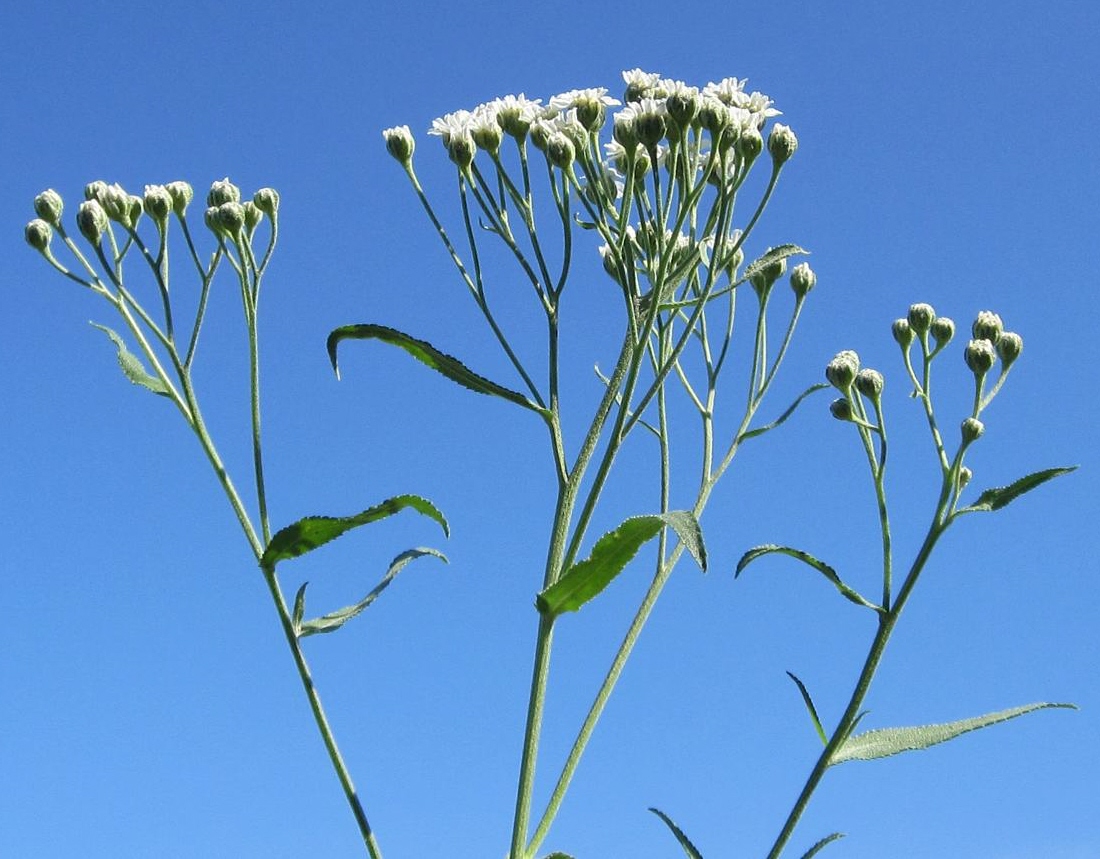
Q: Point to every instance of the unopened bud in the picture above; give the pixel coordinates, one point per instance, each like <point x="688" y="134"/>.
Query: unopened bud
<point x="91" y="220"/>
<point x="400" y="144"/>
<point x="231" y="218"/>
<point x="972" y="430"/>
<point x="560" y="151"/>
<point x="943" y="329"/>
<point x="903" y="332"/>
<point x="181" y="194"/>
<point x="781" y="144"/>
<point x="750" y="144"/>
<point x="803" y="280"/>
<point x="841" y="371"/>
<point x="252" y="217"/>
<point x="921" y="317"/>
<point x="649" y="126"/>
<point x="461" y="150"/>
<point x="841" y="409"/>
<point x="980" y="356"/>
<point x="610" y="262"/>
<point x="158" y="203"/>
<point x="623" y="131"/>
<point x="267" y="201"/>
<point x="116" y="204"/>
<point x="94" y="190"/>
<point x="765" y="278"/>
<point x="965" y="475"/>
<point x="683" y="105"/>
<point x="223" y="191"/>
<point x="48" y="206"/>
<point x="988" y="326"/>
<point x="136" y="209"/>
<point x="1009" y="346"/>
<point x="38" y="234"/>
<point x="870" y="383"/>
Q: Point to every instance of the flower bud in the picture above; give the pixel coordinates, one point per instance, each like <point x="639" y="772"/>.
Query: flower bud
<point x="136" y="209"/>
<point x="181" y="194"/>
<point x="252" y="217"/>
<point x="48" y="206"/>
<point x="781" y="144"/>
<point x="765" y="278"/>
<point x="980" y="356"/>
<point x="400" y="144"/>
<point x="231" y="218"/>
<point x="683" y="105"/>
<point x="540" y="134"/>
<point x="487" y="136"/>
<point x="91" y="220"/>
<point x="610" y="262"/>
<point x="841" y="409"/>
<point x="972" y="430"/>
<point x="1009" y="346"/>
<point x="943" y="329"/>
<point x="903" y="332"/>
<point x="921" y="317"/>
<point x="38" y="234"/>
<point x="223" y="191"/>
<point x="714" y="116"/>
<point x="841" y="371"/>
<point x="988" y="326"/>
<point x="116" y="204"/>
<point x="803" y="280"/>
<point x="94" y="190"/>
<point x="591" y="113"/>
<point x="461" y="149"/>
<point x="623" y="131"/>
<point x="870" y="383"/>
<point x="750" y="144"/>
<point x="649" y="124"/>
<point x="210" y="218"/>
<point x="560" y="151"/>
<point x="965" y="474"/>
<point x="267" y="201"/>
<point x="158" y="203"/>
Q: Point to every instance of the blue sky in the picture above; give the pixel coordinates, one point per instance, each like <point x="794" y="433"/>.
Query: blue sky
<point x="947" y="155"/>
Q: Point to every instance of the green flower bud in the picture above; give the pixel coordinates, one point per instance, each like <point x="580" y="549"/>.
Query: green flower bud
<point x="560" y="151"/>
<point x="841" y="371"/>
<point x="1009" y="346"/>
<point x="91" y="220"/>
<point x="540" y="134"/>
<point x="682" y="105"/>
<point x="803" y="280"/>
<point x="943" y="329"/>
<point x="94" y="190"/>
<point x="750" y="144"/>
<point x="649" y="123"/>
<point x="591" y="113"/>
<point x="965" y="474"/>
<point x="972" y="430"/>
<point x="136" y="209"/>
<point x="487" y="136"/>
<point x="903" y="332"/>
<point x="210" y="218"/>
<point x="610" y="262"/>
<point x="158" y="203"/>
<point x="781" y="144"/>
<point x="623" y="131"/>
<point x="223" y="191"/>
<point x="765" y="278"/>
<point x="116" y="203"/>
<point x="980" y="356"/>
<point x="921" y="317"/>
<point x="38" y="234"/>
<point x="988" y="326"/>
<point x="400" y="144"/>
<point x="461" y="150"/>
<point x="267" y="201"/>
<point x="870" y="383"/>
<point x="48" y="206"/>
<point x="181" y="194"/>
<point x="714" y="117"/>
<point x="231" y="218"/>
<point x="252" y="217"/>
<point x="841" y="409"/>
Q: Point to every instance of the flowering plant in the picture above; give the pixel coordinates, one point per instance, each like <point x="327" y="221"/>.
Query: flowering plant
<point x="651" y="185"/>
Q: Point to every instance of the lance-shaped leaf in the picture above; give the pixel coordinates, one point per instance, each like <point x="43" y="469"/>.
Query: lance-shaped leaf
<point x="770" y="257"/>
<point x="810" y="707"/>
<point x="817" y="848"/>
<point x="612" y="552"/>
<point x="131" y="365"/>
<point x="307" y="534"/>
<point x="753" y="433"/>
<point x="334" y="620"/>
<point x="427" y="354"/>
<point x="883" y="742"/>
<point x="823" y="568"/>
<point x="689" y="848"/>
<point x="1002" y="496"/>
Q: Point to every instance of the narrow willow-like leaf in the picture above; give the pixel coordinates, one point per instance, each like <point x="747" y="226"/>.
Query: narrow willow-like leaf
<point x="883" y="742"/>
<point x="823" y="568"/>
<point x="771" y="256"/>
<point x="131" y="365"/>
<point x="817" y="848"/>
<point x="783" y="417"/>
<point x="810" y="706"/>
<point x="689" y="848"/>
<point x="612" y="552"/>
<point x="299" y="606"/>
<point x="336" y="619"/>
<point x="307" y="534"/>
<point x="1002" y="496"/>
<point x="427" y="354"/>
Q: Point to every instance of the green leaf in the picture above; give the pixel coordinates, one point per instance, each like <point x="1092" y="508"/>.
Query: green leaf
<point x="689" y="848"/>
<point x="299" y="605"/>
<point x="772" y="255"/>
<point x="1002" y="496"/>
<point x="828" y="839"/>
<point x="334" y="620"/>
<point x="823" y="568"/>
<point x="558" y="855"/>
<point x="612" y="552"/>
<point x="810" y="706"/>
<point x="427" y="354"/>
<point x="783" y="417"/>
<point x="131" y="365"/>
<point x="307" y="534"/>
<point x="883" y="742"/>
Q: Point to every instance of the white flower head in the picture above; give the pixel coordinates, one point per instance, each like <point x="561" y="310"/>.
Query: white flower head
<point x="515" y="113"/>
<point x="577" y="97"/>
<point x="451" y="125"/>
<point x="639" y="83"/>
<point x="729" y="91"/>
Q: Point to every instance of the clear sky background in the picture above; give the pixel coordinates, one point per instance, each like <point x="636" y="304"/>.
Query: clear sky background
<point x="147" y="704"/>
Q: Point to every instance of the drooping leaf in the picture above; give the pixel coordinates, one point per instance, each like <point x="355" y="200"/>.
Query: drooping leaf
<point x="307" y="534"/>
<point x="883" y="742"/>
<point x="783" y="417"/>
<point x="810" y="706"/>
<point x="770" y="257"/>
<point x="823" y="568"/>
<point x="1002" y="496"/>
<point x="817" y="848"/>
<point x="336" y="619"/>
<point x="612" y="552"/>
<point x="131" y="365"/>
<point x="427" y="354"/>
<point x="689" y="848"/>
